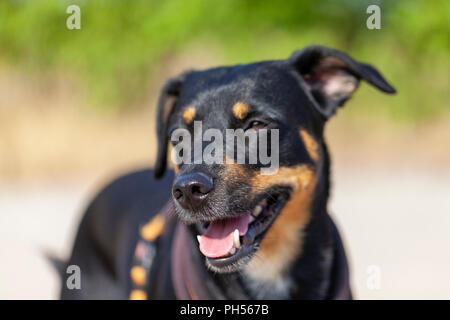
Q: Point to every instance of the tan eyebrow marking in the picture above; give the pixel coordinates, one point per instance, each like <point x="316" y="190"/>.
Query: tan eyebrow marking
<point x="188" y="115"/>
<point x="240" y="110"/>
<point x="311" y="144"/>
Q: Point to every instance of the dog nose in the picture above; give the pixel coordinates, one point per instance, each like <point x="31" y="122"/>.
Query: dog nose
<point x="191" y="190"/>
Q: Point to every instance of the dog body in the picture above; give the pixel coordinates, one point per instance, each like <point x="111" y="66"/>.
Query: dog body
<point x="225" y="230"/>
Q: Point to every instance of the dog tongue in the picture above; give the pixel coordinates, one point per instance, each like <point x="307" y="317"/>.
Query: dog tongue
<point x="218" y="239"/>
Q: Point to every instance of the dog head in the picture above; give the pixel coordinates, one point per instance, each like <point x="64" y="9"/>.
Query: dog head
<point x="245" y="215"/>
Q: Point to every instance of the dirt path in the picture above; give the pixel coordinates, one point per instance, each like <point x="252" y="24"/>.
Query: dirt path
<point x="398" y="222"/>
<point x="395" y="223"/>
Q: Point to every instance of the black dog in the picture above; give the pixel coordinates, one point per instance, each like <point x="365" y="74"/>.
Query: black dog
<point x="261" y="236"/>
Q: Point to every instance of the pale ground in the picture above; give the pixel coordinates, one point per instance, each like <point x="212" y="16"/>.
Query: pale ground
<point x="396" y="220"/>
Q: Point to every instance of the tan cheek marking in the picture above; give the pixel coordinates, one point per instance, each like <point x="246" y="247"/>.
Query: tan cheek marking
<point x="153" y="229"/>
<point x="138" y="275"/>
<point x="285" y="175"/>
<point x="138" y="295"/>
<point x="233" y="172"/>
<point x="283" y="242"/>
<point x="188" y="115"/>
<point x="240" y="110"/>
<point x="311" y="145"/>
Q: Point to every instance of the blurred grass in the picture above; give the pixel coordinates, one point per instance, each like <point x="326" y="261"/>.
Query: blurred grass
<point x="123" y="44"/>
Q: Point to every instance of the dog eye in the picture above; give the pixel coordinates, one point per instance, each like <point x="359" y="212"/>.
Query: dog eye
<point x="255" y="125"/>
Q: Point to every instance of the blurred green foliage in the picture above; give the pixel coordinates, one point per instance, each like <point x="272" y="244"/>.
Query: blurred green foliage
<point x="122" y="43"/>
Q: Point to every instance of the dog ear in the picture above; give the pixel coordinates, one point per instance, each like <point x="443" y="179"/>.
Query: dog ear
<point x="331" y="76"/>
<point x="166" y="103"/>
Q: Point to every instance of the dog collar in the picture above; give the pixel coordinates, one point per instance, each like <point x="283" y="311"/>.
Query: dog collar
<point x="145" y="252"/>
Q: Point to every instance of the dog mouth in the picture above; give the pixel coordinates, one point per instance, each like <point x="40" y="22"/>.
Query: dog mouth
<point x="226" y="242"/>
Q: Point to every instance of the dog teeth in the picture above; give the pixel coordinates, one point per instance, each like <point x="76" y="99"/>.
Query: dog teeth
<point x="233" y="251"/>
<point x="258" y="209"/>
<point x="252" y="218"/>
<point x="237" y="242"/>
<point x="198" y="238"/>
